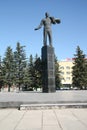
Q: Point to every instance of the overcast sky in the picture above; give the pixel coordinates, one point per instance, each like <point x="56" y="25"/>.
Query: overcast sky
<point x="18" y="18"/>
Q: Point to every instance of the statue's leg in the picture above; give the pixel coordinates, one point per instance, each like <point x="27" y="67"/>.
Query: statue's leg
<point x="45" y="38"/>
<point x="50" y="37"/>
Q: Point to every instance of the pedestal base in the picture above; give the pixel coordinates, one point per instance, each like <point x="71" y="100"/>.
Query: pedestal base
<point x="48" y="61"/>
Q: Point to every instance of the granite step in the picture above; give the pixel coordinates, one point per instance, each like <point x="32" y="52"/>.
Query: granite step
<point x="51" y="106"/>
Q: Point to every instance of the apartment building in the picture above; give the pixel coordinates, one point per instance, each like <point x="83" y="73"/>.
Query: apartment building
<point x="65" y="67"/>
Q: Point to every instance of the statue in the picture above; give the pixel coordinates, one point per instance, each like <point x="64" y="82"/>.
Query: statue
<point x="46" y="22"/>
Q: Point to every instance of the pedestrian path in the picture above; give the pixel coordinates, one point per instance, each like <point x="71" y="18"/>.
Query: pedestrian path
<point x="52" y="119"/>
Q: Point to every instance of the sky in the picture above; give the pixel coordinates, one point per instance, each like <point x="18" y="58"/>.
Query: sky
<point x="18" y="18"/>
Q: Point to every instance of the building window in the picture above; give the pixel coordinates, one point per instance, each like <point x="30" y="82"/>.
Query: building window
<point x="62" y="73"/>
<point x="67" y="67"/>
<point x="62" y="68"/>
<point x="67" y="72"/>
<point x="62" y="78"/>
<point x="67" y="78"/>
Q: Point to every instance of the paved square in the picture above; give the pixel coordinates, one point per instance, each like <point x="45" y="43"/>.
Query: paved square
<point x="53" y="119"/>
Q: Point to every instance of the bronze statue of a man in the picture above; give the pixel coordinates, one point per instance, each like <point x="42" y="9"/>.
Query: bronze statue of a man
<point x="46" y="22"/>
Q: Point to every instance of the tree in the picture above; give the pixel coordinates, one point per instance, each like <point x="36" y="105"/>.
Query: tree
<point x="31" y="72"/>
<point x="38" y="72"/>
<point x="86" y="73"/>
<point x="79" y="74"/>
<point x="26" y="78"/>
<point x="8" y="70"/>
<point x="57" y="74"/>
<point x="20" y="64"/>
<point x="1" y="74"/>
<point x="85" y="76"/>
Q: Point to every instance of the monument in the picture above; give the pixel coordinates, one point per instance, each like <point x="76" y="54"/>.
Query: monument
<point x="48" y="55"/>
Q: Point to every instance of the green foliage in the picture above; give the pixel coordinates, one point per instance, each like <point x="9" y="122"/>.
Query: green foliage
<point x="38" y="72"/>
<point x="57" y="74"/>
<point x="1" y="74"/>
<point x="8" y="72"/>
<point x="34" y="72"/>
<point x="15" y="69"/>
<point x="79" y="73"/>
<point x="19" y="64"/>
<point x="31" y="71"/>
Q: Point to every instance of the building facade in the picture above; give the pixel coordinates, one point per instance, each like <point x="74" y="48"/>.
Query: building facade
<point x="65" y="67"/>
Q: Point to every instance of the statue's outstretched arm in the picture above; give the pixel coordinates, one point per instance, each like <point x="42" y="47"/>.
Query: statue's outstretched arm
<point x="41" y="23"/>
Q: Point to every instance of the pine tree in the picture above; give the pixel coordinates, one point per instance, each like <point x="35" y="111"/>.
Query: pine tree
<point x="38" y="72"/>
<point x="26" y="79"/>
<point x="1" y="74"/>
<point x="8" y="67"/>
<point x="79" y="74"/>
<point x="85" y="82"/>
<point x="20" y="64"/>
<point x="31" y="72"/>
<point x="57" y="74"/>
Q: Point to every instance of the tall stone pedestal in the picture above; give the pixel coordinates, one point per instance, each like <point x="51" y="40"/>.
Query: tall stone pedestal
<point x="48" y="69"/>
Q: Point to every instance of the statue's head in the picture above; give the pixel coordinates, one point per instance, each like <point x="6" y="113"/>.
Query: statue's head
<point x="46" y="14"/>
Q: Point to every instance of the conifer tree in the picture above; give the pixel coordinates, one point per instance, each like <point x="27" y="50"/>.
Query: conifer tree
<point x="31" y="72"/>
<point x="1" y="74"/>
<point x="79" y="74"/>
<point x="20" y="64"/>
<point x="38" y="72"/>
<point x="57" y="74"/>
<point x="26" y="78"/>
<point x="8" y="71"/>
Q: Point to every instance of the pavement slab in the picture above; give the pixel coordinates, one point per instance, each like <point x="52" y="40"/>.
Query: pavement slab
<point x="54" y="119"/>
<point x="57" y="118"/>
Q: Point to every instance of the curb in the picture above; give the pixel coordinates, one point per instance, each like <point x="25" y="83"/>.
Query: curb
<point x="51" y="106"/>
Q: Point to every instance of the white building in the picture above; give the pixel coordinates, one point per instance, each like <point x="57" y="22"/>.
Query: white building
<point x="65" y="67"/>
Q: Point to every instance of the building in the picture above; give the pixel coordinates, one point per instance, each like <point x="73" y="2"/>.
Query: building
<point x="65" y="67"/>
